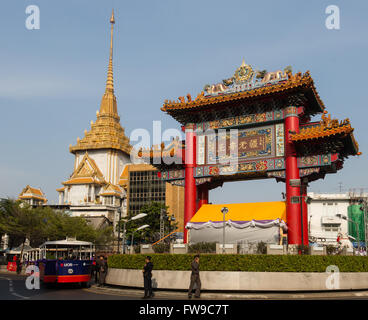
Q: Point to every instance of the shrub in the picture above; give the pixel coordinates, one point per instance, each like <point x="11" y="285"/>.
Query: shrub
<point x="202" y="247"/>
<point x="161" y="247"/>
<point x="239" y="262"/>
<point x="331" y="250"/>
<point x="261" y="247"/>
<point x="303" y="249"/>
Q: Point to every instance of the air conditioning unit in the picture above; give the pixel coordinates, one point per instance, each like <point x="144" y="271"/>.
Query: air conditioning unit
<point x="331" y="220"/>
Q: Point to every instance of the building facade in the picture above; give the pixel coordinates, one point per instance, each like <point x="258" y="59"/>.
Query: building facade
<point x="104" y="182"/>
<point x="323" y="208"/>
<point x="100" y="157"/>
<point x="143" y="186"/>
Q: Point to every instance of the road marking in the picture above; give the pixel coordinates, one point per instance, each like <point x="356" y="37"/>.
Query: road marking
<point x="11" y="289"/>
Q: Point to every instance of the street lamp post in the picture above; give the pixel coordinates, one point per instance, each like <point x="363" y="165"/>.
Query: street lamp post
<point x="224" y="211"/>
<point x="140" y="228"/>
<point x="172" y="219"/>
<point x="138" y="216"/>
<point x="119" y="210"/>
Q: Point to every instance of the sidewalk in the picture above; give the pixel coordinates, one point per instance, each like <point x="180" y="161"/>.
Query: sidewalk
<point x="180" y="295"/>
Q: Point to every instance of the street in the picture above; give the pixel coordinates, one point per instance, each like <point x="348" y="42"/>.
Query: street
<point x="12" y="287"/>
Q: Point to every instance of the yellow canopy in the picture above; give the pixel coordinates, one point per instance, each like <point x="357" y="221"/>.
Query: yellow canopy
<point x="242" y="212"/>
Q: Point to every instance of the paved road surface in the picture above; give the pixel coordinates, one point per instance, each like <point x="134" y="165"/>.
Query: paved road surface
<point x="12" y="287"/>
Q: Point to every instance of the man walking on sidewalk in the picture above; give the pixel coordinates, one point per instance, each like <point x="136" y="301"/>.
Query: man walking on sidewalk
<point x="147" y="278"/>
<point x="195" y="279"/>
<point x="103" y="267"/>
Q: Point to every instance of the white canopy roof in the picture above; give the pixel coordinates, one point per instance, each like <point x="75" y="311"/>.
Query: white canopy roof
<point x="66" y="242"/>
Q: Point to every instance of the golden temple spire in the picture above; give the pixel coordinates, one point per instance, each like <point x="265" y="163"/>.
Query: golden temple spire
<point x="108" y="102"/>
<point x="110" y="75"/>
<point x="106" y="132"/>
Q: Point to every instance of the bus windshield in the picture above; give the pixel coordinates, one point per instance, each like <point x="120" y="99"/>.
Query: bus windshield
<point x="67" y="250"/>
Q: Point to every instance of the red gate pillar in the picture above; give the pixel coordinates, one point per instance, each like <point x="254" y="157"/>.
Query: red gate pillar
<point x="305" y="217"/>
<point x="190" y="192"/>
<point x="202" y="195"/>
<point x="292" y="172"/>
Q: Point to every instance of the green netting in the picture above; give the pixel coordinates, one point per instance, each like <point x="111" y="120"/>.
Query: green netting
<point x="356" y="214"/>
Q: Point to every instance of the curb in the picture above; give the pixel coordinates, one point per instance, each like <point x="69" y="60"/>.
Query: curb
<point x="180" y="295"/>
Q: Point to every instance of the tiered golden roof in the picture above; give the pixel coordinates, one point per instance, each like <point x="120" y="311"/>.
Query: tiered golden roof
<point x="112" y="190"/>
<point x="107" y="132"/>
<point x="32" y="193"/>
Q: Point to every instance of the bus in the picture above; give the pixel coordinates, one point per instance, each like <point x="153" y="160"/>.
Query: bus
<point x="65" y="261"/>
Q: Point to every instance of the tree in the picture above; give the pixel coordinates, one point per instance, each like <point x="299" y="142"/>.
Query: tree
<point x="152" y="233"/>
<point x="40" y="224"/>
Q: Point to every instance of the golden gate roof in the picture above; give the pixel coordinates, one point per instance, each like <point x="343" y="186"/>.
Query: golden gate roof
<point x="331" y="129"/>
<point x="285" y="83"/>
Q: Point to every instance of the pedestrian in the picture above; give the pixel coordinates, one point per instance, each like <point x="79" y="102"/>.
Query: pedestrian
<point x="102" y="271"/>
<point x="195" y="279"/>
<point x="147" y="278"/>
<point x="94" y="269"/>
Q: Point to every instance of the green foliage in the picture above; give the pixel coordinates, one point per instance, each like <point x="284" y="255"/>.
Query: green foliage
<point x="202" y="247"/>
<point x="261" y="247"/>
<point x="238" y="262"/>
<point x="303" y="249"/>
<point x="151" y="234"/>
<point x="39" y="224"/>
<point x="330" y="250"/>
<point x="161" y="247"/>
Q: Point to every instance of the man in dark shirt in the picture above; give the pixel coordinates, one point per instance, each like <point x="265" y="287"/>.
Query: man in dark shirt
<point x="102" y="271"/>
<point x="147" y="278"/>
<point x="195" y="279"/>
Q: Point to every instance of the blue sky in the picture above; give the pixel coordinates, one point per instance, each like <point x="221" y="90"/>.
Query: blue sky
<point x="52" y="79"/>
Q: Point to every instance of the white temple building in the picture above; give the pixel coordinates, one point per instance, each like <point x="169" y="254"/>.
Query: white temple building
<point x="95" y="188"/>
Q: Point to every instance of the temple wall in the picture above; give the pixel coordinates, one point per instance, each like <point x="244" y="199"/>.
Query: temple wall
<point x="77" y="194"/>
<point x="110" y="162"/>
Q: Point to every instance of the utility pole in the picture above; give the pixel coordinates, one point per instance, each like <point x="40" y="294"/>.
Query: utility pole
<point x="340" y="186"/>
<point x="119" y="210"/>
<point x="162" y="224"/>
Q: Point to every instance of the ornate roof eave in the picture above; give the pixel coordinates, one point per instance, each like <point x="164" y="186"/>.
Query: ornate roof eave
<point x="116" y="194"/>
<point x="32" y="193"/>
<point x="75" y="181"/>
<point x="33" y="197"/>
<point x="293" y="83"/>
<point x="328" y="129"/>
<point x="125" y="148"/>
<point x="160" y="155"/>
